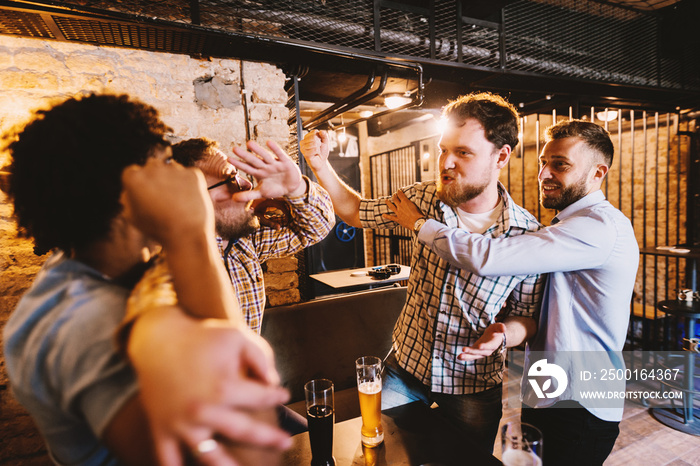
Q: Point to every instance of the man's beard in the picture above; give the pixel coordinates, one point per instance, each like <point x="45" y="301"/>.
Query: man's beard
<point x="567" y="196"/>
<point x="228" y="229"/>
<point x="456" y="193"/>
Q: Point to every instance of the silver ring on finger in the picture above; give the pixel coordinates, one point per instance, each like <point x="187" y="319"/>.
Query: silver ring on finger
<point x="205" y="446"/>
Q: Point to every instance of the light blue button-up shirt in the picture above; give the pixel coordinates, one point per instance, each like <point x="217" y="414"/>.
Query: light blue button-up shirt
<point x="591" y="256"/>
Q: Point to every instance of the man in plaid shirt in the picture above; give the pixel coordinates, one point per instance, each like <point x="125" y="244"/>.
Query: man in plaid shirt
<point x="243" y="242"/>
<point x="448" y="308"/>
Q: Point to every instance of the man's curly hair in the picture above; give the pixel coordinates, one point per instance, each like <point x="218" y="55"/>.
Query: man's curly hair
<point x="66" y="165"/>
<point x="498" y="116"/>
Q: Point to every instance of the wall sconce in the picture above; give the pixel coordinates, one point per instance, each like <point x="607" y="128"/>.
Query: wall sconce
<point x="607" y="115"/>
<point x="393" y="101"/>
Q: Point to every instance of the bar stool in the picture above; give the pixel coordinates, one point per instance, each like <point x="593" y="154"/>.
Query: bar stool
<point x="688" y="421"/>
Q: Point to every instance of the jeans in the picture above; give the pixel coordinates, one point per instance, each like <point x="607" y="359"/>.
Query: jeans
<point x="571" y="435"/>
<point x="476" y="415"/>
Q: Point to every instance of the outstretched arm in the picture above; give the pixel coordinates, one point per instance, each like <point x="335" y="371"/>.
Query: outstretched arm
<point x="346" y="201"/>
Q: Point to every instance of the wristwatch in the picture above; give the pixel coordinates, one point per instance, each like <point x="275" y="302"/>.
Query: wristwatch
<point x="419" y="224"/>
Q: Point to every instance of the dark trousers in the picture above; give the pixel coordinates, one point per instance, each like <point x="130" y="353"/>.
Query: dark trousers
<point x="572" y="436"/>
<point x="477" y="415"/>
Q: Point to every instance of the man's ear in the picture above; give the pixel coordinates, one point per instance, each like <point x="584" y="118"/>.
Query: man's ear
<point x="503" y="156"/>
<point x="600" y="170"/>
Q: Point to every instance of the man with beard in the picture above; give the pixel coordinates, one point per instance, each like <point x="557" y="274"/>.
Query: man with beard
<point x="591" y="254"/>
<point x="448" y="308"/>
<point x="243" y="243"/>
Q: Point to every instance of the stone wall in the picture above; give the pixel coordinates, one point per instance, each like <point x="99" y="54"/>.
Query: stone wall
<point x="196" y="97"/>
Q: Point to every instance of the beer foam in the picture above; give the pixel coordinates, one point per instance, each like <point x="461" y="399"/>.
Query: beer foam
<point x="513" y="457"/>
<point x="370" y="388"/>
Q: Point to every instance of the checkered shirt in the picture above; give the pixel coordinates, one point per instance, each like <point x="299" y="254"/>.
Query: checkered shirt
<point x="312" y="220"/>
<point x="448" y="308"/>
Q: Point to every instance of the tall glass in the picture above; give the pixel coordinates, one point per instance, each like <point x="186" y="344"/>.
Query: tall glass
<point x="521" y="444"/>
<point x="369" y="387"/>
<point x="320" y="414"/>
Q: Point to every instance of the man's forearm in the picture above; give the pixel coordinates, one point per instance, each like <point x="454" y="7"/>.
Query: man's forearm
<point x="199" y="279"/>
<point x="519" y="330"/>
<point x="346" y="201"/>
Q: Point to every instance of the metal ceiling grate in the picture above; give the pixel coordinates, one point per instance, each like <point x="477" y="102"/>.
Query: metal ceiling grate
<point x="582" y="40"/>
<point x="480" y="41"/>
<point x="586" y="40"/>
<point x="129" y="35"/>
<point x="24" y="24"/>
<point x="347" y="23"/>
<point x="405" y="32"/>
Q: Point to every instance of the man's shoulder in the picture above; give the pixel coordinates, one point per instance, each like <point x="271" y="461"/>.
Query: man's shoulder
<point x="421" y="188"/>
<point x="610" y="217"/>
<point x="67" y="314"/>
<point x="521" y="218"/>
<point x="602" y="210"/>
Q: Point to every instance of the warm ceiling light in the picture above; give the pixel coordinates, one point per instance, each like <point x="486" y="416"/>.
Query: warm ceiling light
<point x="393" y="101"/>
<point x="342" y="137"/>
<point x="607" y="115"/>
<point x="366" y="113"/>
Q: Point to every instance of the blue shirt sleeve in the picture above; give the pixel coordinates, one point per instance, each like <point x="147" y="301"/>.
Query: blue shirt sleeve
<point x="575" y="243"/>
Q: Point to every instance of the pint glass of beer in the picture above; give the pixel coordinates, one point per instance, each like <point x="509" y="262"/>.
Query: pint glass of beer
<point x="320" y="413"/>
<point x="521" y="444"/>
<point x="369" y="387"/>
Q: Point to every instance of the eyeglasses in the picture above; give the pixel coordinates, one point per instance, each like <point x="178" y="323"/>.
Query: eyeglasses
<point x="232" y="180"/>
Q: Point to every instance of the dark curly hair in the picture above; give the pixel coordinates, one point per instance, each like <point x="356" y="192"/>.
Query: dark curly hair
<point x="66" y="165"/>
<point x="191" y="151"/>
<point x="498" y="117"/>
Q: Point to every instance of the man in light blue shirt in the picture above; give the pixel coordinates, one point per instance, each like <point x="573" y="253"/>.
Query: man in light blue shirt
<point x="591" y="255"/>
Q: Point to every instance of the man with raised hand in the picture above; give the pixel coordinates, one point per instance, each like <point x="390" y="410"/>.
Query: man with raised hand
<point x="244" y="244"/>
<point x="448" y="308"/>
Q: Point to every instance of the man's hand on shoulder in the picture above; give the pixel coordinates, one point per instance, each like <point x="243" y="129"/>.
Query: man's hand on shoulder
<point x="405" y="212"/>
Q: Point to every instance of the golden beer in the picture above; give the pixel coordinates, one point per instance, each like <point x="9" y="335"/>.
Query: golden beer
<point x="371" y="409"/>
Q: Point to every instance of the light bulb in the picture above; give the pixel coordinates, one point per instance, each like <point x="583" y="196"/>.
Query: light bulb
<point x="607" y="115"/>
<point x="393" y="101"/>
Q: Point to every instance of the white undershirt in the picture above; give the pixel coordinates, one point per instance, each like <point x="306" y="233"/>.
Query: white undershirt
<point x="479" y="223"/>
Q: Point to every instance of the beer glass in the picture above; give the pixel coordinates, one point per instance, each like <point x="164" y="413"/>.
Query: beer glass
<point x="521" y="444"/>
<point x="320" y="414"/>
<point x="369" y="387"/>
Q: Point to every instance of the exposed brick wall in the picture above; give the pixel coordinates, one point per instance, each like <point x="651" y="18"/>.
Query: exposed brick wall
<point x="196" y="97"/>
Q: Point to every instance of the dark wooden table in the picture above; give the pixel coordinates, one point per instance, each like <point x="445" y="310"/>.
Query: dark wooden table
<point x="414" y="435"/>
